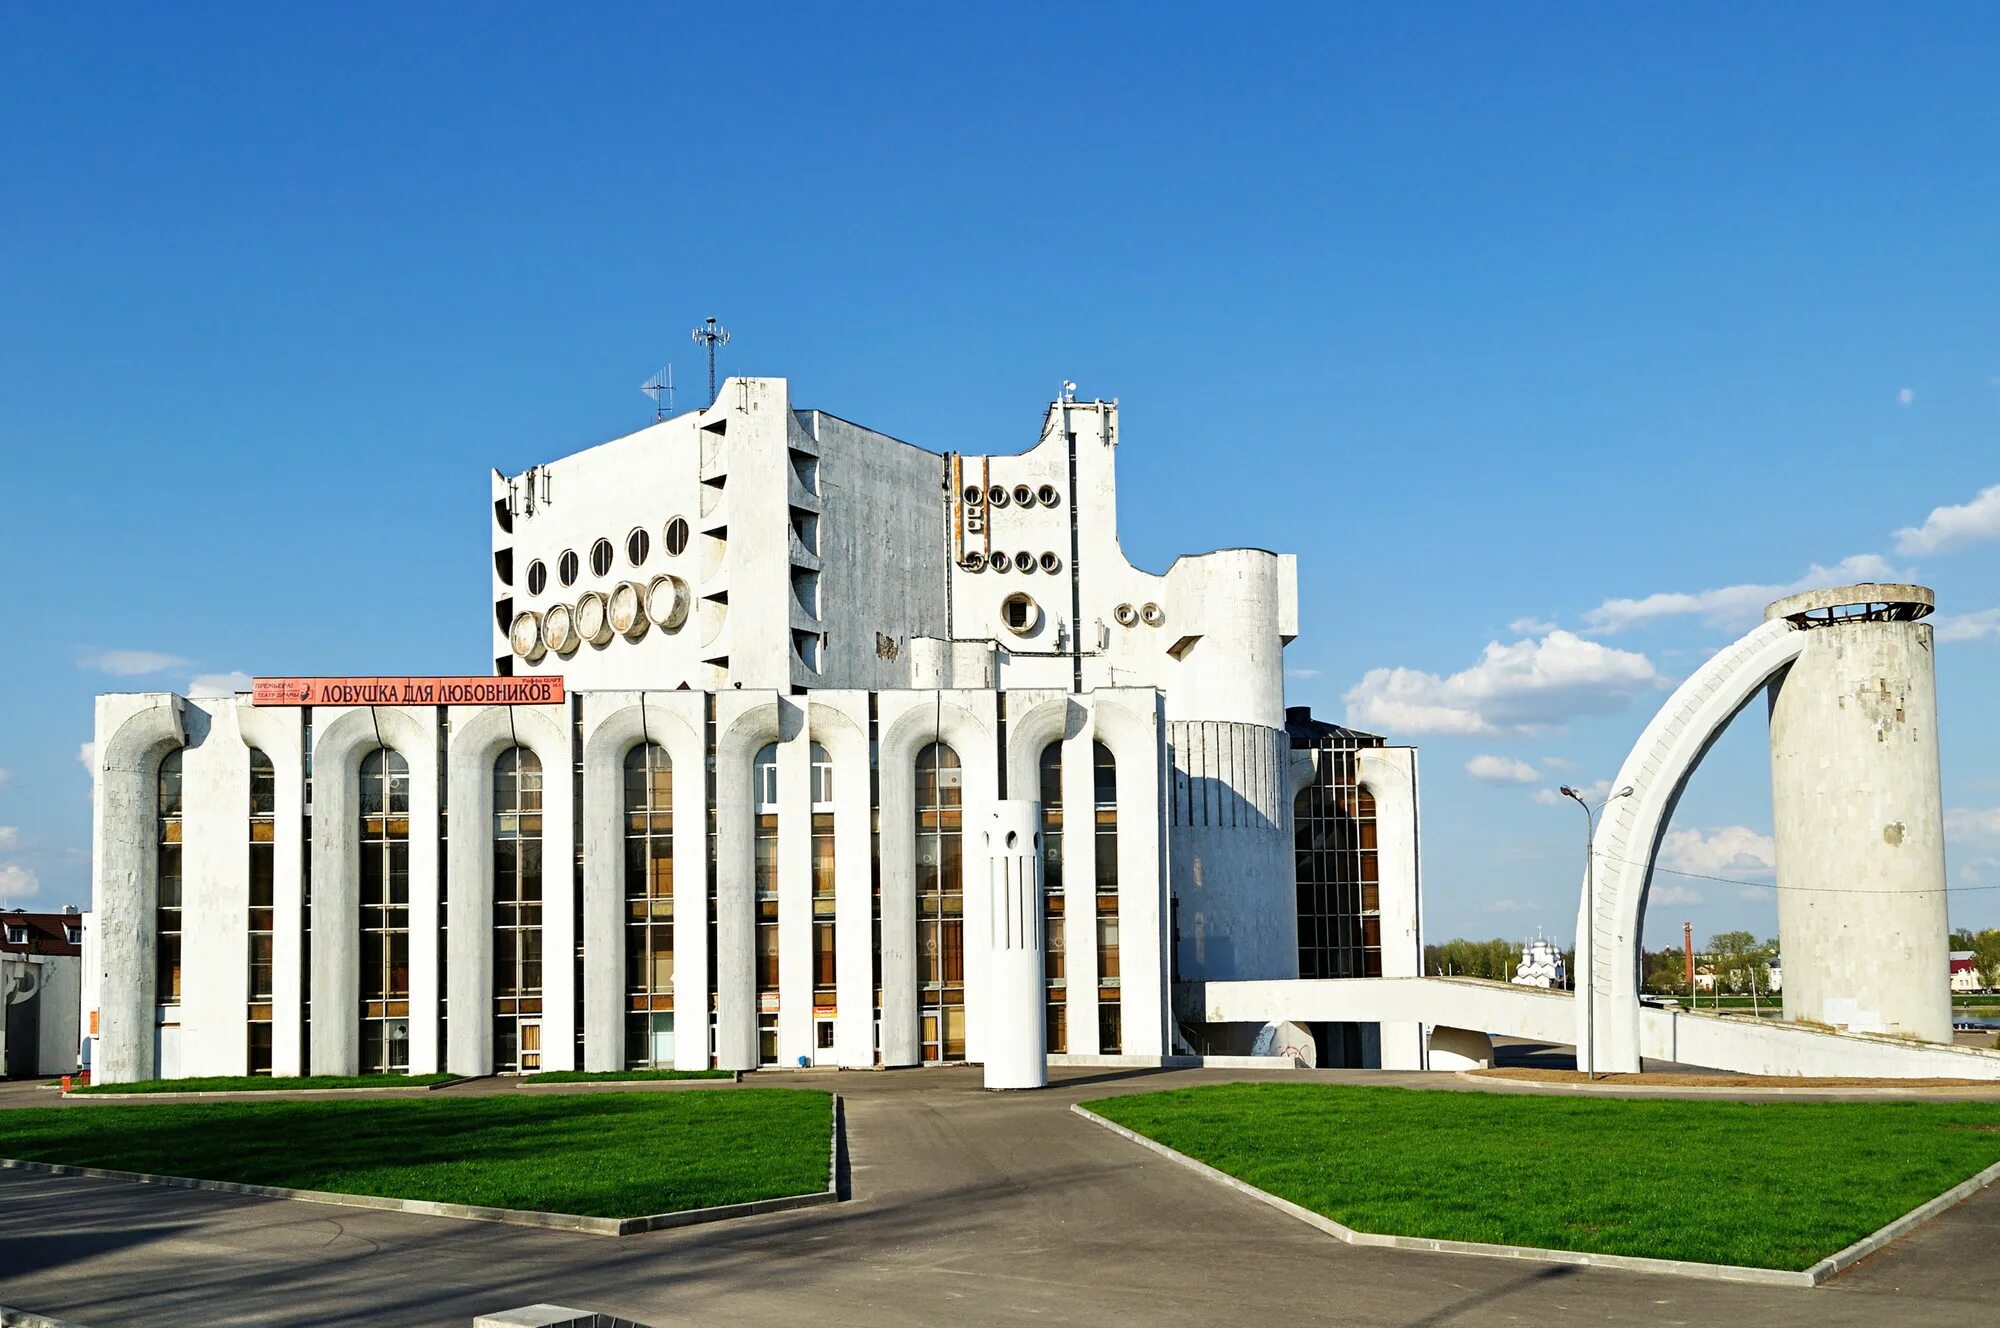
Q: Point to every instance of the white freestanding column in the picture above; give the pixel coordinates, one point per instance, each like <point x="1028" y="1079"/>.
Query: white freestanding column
<point x="1858" y="817"/>
<point x="1016" y="1038"/>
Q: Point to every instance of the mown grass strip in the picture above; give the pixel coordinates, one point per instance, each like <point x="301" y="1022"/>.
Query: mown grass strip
<point x="265" y="1083"/>
<point x="1755" y="1184"/>
<point x="622" y="1076"/>
<point x="598" y="1154"/>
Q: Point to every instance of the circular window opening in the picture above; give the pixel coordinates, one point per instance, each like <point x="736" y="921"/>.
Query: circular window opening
<point x="600" y="558"/>
<point x="1001" y="562"/>
<point x="1047" y="495"/>
<point x="1051" y="563"/>
<point x="972" y="495"/>
<point x="677" y="537"/>
<point x="1019" y="614"/>
<point x="538" y="577"/>
<point x="1152" y="616"/>
<point x="566" y="567"/>
<point x="1126" y="615"/>
<point x="1024" y="562"/>
<point x="637" y="545"/>
<point x="974" y="562"/>
<point x="996" y="496"/>
<point x="1024" y="495"/>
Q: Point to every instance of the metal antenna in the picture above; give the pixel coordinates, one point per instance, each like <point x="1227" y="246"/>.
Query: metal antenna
<point x="711" y="335"/>
<point x="661" y="390"/>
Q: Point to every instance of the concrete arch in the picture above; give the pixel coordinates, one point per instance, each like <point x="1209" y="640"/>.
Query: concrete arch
<point x="1029" y="733"/>
<point x="839" y="723"/>
<point x="757" y="719"/>
<point x="476" y="744"/>
<point x="278" y="732"/>
<point x="1628" y="839"/>
<point x="945" y="720"/>
<point x="674" y="721"/>
<point x="338" y="749"/>
<point x="127" y="886"/>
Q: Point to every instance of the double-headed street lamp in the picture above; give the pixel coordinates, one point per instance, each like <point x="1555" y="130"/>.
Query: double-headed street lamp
<point x="1587" y="953"/>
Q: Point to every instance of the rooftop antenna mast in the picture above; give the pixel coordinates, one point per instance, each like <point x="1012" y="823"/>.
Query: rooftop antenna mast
<point x="711" y="334"/>
<point x="661" y="390"/>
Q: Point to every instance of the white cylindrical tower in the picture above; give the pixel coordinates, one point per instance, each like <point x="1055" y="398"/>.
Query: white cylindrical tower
<point x="1858" y="816"/>
<point x="1016" y="1039"/>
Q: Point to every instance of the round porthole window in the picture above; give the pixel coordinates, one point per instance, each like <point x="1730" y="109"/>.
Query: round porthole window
<point x="1126" y="615"/>
<point x="637" y="545"/>
<point x="600" y="558"/>
<point x="677" y="537"/>
<point x="1047" y="495"/>
<point x="1152" y="615"/>
<point x="973" y="493"/>
<point x="1024" y="562"/>
<point x="1001" y="562"/>
<point x="1019" y="614"/>
<point x="1051" y="563"/>
<point x="996" y="496"/>
<point x="566" y="567"/>
<point x="538" y="577"/>
<point x="1024" y="495"/>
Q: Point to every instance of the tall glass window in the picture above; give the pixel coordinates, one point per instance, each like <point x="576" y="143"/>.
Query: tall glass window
<point x="1338" y="879"/>
<point x="1052" y="886"/>
<point x="941" y="903"/>
<point x="517" y="911"/>
<point x="649" y="908"/>
<point x="385" y="912"/>
<point x="822" y="882"/>
<point x="167" y="910"/>
<point x="1104" y="782"/>
<point x="263" y="892"/>
<point x="765" y="781"/>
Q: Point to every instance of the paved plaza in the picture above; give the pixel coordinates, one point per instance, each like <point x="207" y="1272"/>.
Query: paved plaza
<point x="967" y="1207"/>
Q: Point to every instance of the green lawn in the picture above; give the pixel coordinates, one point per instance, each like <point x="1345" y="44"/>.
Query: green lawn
<point x="621" y="1076"/>
<point x="265" y="1083"/>
<point x="597" y="1154"/>
<point x="1775" y="1185"/>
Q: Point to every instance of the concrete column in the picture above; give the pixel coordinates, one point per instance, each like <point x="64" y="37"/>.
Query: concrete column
<point x="1079" y="847"/>
<point x="839" y="722"/>
<point x="1858" y="817"/>
<point x="215" y="897"/>
<point x="133" y="733"/>
<point x="795" y="1004"/>
<point x="1015" y="1041"/>
<point x="278" y="732"/>
<point x="744" y="721"/>
<point x="1390" y="775"/>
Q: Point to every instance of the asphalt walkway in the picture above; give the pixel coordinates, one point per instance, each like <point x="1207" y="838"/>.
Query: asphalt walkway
<point x="967" y="1207"/>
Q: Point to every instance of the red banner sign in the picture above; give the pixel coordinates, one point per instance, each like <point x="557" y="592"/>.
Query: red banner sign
<point x="405" y="691"/>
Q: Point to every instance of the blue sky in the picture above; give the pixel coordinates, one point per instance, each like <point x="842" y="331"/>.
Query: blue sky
<point x="1497" y="316"/>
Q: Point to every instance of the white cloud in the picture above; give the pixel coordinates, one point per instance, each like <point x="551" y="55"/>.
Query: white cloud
<point x="1973" y="822"/>
<point x="86" y="752"/>
<point x="1558" y="763"/>
<point x="1980" y="871"/>
<point x="1301" y="674"/>
<point x="1730" y="850"/>
<point x="1954" y="527"/>
<point x="218" y="684"/>
<point x="1502" y="770"/>
<point x="1968" y="626"/>
<point x="17" y="884"/>
<point x="1593" y="793"/>
<point x="1734" y="606"/>
<point x="1514" y="689"/>
<point x="1675" y="894"/>
<point x="130" y="663"/>
<point x="1531" y="627"/>
<point x="10" y="835"/>
<point x="1510" y="906"/>
<point x="1906" y="396"/>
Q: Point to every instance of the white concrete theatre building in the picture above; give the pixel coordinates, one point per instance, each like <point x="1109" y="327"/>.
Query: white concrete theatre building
<point x="759" y="671"/>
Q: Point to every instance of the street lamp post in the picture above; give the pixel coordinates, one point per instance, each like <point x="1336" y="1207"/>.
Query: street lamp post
<point x="1587" y="953"/>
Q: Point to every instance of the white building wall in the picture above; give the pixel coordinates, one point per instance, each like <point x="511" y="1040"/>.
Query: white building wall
<point x="215" y="891"/>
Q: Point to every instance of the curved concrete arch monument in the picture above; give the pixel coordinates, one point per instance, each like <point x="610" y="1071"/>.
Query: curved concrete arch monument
<point x="1854" y="734"/>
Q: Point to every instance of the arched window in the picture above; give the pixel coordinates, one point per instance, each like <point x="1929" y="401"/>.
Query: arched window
<point x="941" y="902"/>
<point x="764" y="781"/>
<point x="385" y="912"/>
<point x="1104" y="783"/>
<point x="649" y="909"/>
<point x="263" y="892"/>
<point x="167" y="909"/>
<point x="517" y="911"/>
<point x="822" y="897"/>
<point x="1052" y="887"/>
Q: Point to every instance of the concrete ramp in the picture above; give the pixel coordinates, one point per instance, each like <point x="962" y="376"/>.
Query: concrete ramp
<point x="1741" y="1045"/>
